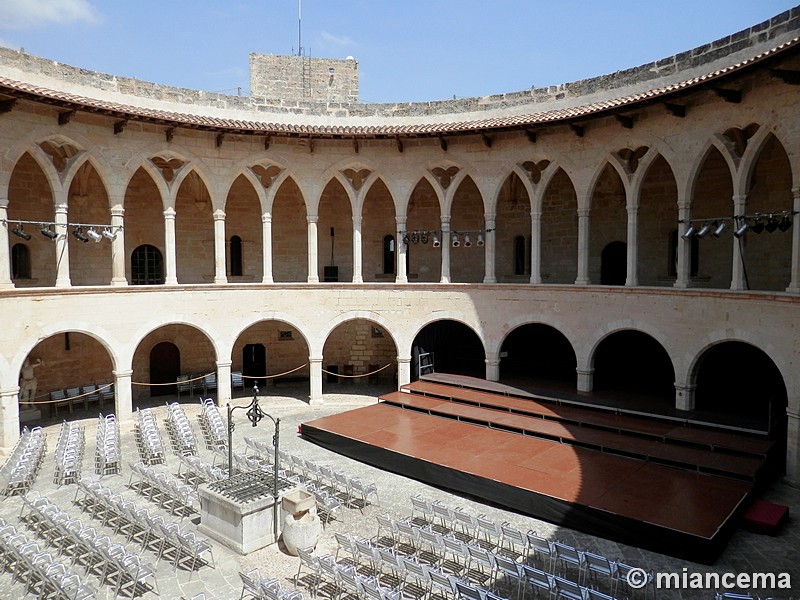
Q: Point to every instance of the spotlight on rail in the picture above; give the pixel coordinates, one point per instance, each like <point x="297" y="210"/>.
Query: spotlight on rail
<point x="48" y="233"/>
<point x="19" y="232"/>
<point x="93" y="235"/>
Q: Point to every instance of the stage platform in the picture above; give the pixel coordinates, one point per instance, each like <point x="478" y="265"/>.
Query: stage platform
<point x="645" y="488"/>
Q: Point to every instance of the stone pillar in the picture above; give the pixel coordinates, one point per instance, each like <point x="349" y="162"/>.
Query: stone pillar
<point x="536" y="246"/>
<point x="403" y="371"/>
<point x="313" y="268"/>
<point x="794" y="283"/>
<point x="315" y="367"/>
<point x="9" y="419"/>
<point x="358" y="276"/>
<point x="585" y="380"/>
<point x="632" y="276"/>
<point x="223" y="382"/>
<point x="738" y="281"/>
<point x="489" y="272"/>
<point x="5" y="248"/>
<point x="446" y="242"/>
<point x="62" y="247"/>
<point x="684" y="263"/>
<point x="266" y="241"/>
<point x="170" y="259"/>
<point x="583" y="247"/>
<point x="793" y="446"/>
<point x="400" y="255"/>
<point x="118" y="247"/>
<point x="685" y="397"/>
<point x="220" y="275"/>
<point x="123" y="404"/>
<point x="493" y="369"/>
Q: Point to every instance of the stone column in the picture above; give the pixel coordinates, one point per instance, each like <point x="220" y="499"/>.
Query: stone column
<point x="123" y="403"/>
<point x="536" y="246"/>
<point x="794" y="283"/>
<point x="266" y="242"/>
<point x="170" y="250"/>
<point x="223" y="382"/>
<point x="446" y="241"/>
<point x="738" y="281"/>
<point x="684" y="250"/>
<point x="400" y="254"/>
<point x="632" y="276"/>
<point x="358" y="276"/>
<point x="793" y="446"/>
<point x="583" y="247"/>
<point x="313" y="266"/>
<point x="5" y="248"/>
<point x="685" y="397"/>
<point x="118" y="247"/>
<point x="9" y="419"/>
<point x="403" y="371"/>
<point x="315" y="367"/>
<point x="489" y="272"/>
<point x="492" y="369"/>
<point x="585" y="380"/>
<point x="220" y="271"/>
<point x="62" y="247"/>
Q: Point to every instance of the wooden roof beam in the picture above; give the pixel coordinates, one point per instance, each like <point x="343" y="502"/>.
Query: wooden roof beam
<point x="676" y="110"/>
<point x="731" y="96"/>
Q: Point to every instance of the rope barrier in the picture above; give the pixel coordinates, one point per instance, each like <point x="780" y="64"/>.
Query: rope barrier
<point x="274" y="376"/>
<point x="198" y="378"/>
<point x="97" y="391"/>
<point x="357" y="376"/>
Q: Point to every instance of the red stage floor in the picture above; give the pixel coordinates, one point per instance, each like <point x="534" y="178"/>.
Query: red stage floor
<point x="587" y="486"/>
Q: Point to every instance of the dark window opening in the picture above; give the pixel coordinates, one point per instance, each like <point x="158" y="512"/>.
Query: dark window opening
<point x="236" y="256"/>
<point x="388" y="255"/>
<point x="147" y="266"/>
<point x="519" y="255"/>
<point x="20" y="262"/>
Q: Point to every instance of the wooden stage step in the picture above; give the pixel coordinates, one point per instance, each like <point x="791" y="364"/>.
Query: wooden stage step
<point x="650" y="449"/>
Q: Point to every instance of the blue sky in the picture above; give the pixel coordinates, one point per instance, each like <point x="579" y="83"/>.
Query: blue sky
<point x="408" y="50"/>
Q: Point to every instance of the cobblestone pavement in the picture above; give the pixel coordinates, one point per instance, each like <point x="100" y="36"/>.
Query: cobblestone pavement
<point x="746" y="552"/>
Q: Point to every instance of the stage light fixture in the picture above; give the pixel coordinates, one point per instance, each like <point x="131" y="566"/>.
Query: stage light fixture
<point x="78" y="233"/>
<point x="406" y="239"/>
<point x="467" y="241"/>
<point x="436" y="242"/>
<point x="456" y="241"/>
<point x="688" y="233"/>
<point x="94" y="235"/>
<point x="758" y="227"/>
<point x="703" y="231"/>
<point x="19" y="232"/>
<point x="415" y="238"/>
<point x="772" y="224"/>
<point x="109" y="235"/>
<point x="785" y="223"/>
<point x="48" y="233"/>
<point x="741" y="229"/>
<point x="479" y="241"/>
<point x="424" y="237"/>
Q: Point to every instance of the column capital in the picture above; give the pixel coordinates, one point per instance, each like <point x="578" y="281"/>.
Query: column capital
<point x="312" y="218"/>
<point x="584" y="213"/>
<point x="224" y="363"/>
<point x="169" y="213"/>
<point x="403" y="359"/>
<point x="123" y="373"/>
<point x="3" y="203"/>
<point x="219" y="215"/>
<point x="266" y="218"/>
<point x="117" y="211"/>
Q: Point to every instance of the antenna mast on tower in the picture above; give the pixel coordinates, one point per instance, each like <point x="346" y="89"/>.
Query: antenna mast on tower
<point x="299" y="27"/>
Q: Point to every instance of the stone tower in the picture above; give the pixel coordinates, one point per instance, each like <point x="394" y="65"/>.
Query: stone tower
<point x="304" y="78"/>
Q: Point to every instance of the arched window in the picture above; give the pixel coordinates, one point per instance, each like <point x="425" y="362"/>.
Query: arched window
<point x="388" y="254"/>
<point x="236" y="256"/>
<point x="519" y="255"/>
<point x="20" y="262"/>
<point x="147" y="266"/>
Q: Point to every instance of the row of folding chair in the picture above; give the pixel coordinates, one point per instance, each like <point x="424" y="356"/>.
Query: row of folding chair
<point x="43" y="576"/>
<point x="148" y="438"/>
<point x="215" y="433"/>
<point x="108" y="452"/>
<point x="192" y="384"/>
<point x="69" y="453"/>
<point x="165" y="538"/>
<point x="82" y="394"/>
<point x="20" y="469"/>
<point x="354" y="491"/>
<point x="98" y="553"/>
<point x="256" y="587"/>
<point x="181" y="434"/>
<point x="197" y="471"/>
<point x="342" y="578"/>
<point x="169" y="492"/>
